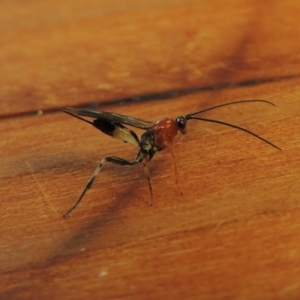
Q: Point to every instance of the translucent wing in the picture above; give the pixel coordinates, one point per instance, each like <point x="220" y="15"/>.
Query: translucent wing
<point x="109" y="117"/>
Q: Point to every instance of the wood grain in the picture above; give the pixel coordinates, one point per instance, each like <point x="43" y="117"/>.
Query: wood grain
<point x="233" y="234"/>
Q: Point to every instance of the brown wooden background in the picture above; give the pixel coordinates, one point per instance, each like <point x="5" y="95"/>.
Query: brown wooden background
<point x="233" y="234"/>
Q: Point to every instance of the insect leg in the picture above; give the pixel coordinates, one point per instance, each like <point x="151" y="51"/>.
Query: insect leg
<point x="112" y="159"/>
<point x="147" y="173"/>
<point x="175" y="169"/>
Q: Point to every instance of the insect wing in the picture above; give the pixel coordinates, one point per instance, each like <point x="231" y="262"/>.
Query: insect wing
<point x="110" y="117"/>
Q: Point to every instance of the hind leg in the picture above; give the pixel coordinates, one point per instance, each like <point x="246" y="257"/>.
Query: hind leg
<point x="112" y="159"/>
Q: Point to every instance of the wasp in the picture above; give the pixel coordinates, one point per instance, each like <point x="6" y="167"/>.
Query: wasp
<point x="157" y="136"/>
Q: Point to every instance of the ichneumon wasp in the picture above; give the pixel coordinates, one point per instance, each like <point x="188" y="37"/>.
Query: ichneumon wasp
<point x="157" y="136"/>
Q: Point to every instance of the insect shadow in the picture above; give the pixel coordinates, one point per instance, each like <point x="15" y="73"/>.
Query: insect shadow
<point x="157" y="136"/>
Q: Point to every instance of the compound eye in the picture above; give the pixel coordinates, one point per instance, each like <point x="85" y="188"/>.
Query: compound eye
<point x="181" y="122"/>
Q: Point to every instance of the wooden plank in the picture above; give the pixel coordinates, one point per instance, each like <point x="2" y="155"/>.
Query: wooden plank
<point x="233" y="234"/>
<point x="64" y="53"/>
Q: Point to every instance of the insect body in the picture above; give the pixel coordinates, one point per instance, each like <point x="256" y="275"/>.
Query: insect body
<point x="157" y="136"/>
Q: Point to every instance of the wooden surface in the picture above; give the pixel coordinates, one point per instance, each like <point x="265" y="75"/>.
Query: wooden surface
<point x="233" y="234"/>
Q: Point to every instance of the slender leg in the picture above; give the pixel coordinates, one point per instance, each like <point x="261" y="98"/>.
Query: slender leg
<point x="175" y="167"/>
<point x="147" y="173"/>
<point x="112" y="159"/>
